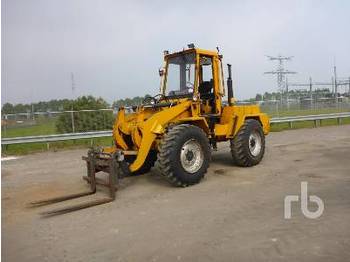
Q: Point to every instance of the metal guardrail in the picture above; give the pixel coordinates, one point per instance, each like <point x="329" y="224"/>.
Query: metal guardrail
<point x="309" y="117"/>
<point x="54" y="138"/>
<point x="95" y="134"/>
<point x="316" y="118"/>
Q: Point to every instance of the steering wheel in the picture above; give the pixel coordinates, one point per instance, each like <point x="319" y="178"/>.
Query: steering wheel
<point x="153" y="99"/>
<point x="189" y="84"/>
<point x="160" y="97"/>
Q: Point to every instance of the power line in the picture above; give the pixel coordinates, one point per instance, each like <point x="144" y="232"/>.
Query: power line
<point x="281" y="72"/>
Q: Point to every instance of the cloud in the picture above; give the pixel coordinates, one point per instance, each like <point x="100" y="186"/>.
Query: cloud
<point x="115" y="48"/>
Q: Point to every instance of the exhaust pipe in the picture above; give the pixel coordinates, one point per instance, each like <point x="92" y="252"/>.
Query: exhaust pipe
<point x="229" y="86"/>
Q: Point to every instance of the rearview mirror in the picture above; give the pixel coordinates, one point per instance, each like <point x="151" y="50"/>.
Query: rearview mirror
<point x="161" y="72"/>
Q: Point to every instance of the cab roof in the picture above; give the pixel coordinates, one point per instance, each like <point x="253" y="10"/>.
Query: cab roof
<point x="191" y="50"/>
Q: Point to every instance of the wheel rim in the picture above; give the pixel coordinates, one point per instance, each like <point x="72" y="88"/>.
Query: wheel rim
<point x="255" y="143"/>
<point x="191" y="156"/>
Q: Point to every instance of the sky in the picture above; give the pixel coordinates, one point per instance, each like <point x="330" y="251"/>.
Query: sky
<point x="115" y="48"/>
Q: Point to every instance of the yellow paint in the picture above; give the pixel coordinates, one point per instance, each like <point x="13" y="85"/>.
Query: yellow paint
<point x="141" y="131"/>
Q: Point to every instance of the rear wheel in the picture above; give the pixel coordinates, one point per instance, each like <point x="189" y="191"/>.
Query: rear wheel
<point x="248" y="146"/>
<point x="184" y="155"/>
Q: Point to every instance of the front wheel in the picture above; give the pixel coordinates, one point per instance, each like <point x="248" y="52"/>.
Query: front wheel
<point x="146" y="167"/>
<point x="184" y="155"/>
<point x="248" y="146"/>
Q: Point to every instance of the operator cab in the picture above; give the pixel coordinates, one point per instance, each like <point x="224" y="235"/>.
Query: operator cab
<point x="195" y="74"/>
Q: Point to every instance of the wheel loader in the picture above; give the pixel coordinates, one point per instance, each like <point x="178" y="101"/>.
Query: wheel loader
<point x="179" y="128"/>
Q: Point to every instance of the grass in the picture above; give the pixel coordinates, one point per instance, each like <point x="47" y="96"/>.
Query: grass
<point x="48" y="127"/>
<point x="42" y="128"/>
<point x="45" y="127"/>
<point x="23" y="149"/>
<point x="307" y="124"/>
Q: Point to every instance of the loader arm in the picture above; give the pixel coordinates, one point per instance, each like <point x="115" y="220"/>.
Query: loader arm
<point x="154" y="126"/>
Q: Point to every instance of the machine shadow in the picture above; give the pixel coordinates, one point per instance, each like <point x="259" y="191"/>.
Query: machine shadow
<point x="223" y="158"/>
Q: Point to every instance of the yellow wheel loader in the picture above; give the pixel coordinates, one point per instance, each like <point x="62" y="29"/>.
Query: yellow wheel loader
<point x="179" y="127"/>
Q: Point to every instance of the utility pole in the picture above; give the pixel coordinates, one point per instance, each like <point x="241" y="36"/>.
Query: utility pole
<point x="287" y="96"/>
<point x="310" y="92"/>
<point x="335" y="83"/>
<point x="33" y="115"/>
<point x="281" y="73"/>
<point x="72" y="108"/>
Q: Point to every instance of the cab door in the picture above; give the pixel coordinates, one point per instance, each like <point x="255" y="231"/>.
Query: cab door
<point x="208" y="86"/>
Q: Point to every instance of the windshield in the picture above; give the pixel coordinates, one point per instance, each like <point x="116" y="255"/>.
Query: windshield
<point x="181" y="74"/>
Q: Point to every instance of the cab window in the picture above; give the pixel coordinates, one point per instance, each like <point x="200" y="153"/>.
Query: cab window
<point x="181" y="75"/>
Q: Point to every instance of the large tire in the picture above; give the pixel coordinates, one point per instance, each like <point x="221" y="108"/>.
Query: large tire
<point x="146" y="167"/>
<point x="248" y="146"/>
<point x="184" y="155"/>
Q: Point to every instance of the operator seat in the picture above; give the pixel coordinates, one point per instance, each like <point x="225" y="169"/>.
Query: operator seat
<point x="205" y="89"/>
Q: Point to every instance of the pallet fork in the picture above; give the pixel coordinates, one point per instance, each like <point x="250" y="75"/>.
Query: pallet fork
<point x="96" y="161"/>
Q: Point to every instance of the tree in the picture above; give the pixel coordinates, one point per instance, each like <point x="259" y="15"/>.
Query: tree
<point x="22" y="108"/>
<point x="7" y="108"/>
<point x="85" y="121"/>
<point x="42" y="106"/>
<point x="137" y="100"/>
<point x="258" y="97"/>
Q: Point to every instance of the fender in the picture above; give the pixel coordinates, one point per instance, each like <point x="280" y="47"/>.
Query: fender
<point x="261" y="117"/>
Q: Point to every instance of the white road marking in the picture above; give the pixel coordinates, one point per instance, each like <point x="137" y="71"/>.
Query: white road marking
<point x="9" y="158"/>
